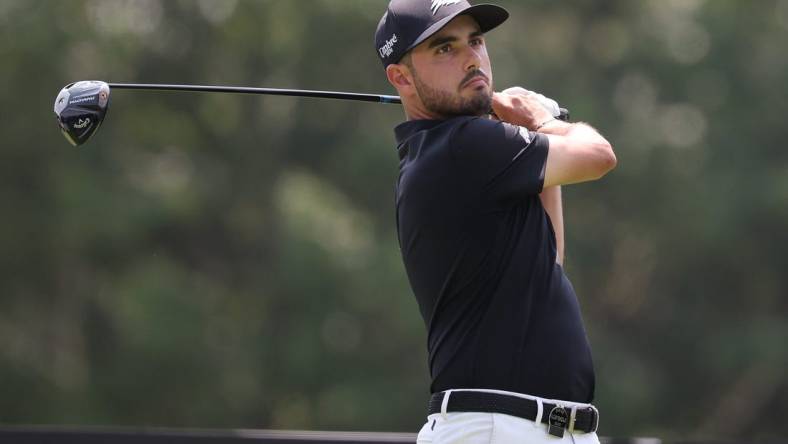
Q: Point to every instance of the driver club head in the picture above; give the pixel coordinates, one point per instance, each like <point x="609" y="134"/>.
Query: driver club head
<point x="80" y="108"/>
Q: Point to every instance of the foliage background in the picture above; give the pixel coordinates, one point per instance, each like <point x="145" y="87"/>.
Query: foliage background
<point x="231" y="261"/>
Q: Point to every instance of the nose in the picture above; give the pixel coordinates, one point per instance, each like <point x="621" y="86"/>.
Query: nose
<point x="473" y="60"/>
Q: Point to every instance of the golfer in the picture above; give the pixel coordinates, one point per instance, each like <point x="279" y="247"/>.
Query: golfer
<point x="480" y="227"/>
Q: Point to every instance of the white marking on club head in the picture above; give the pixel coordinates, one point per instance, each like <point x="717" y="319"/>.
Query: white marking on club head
<point x="61" y="101"/>
<point x="82" y="123"/>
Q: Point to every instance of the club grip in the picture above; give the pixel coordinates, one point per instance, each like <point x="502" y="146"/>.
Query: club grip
<point x="564" y="114"/>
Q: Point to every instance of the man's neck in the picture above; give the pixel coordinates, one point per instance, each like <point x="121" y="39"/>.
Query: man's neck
<point x="412" y="114"/>
<point x="420" y="113"/>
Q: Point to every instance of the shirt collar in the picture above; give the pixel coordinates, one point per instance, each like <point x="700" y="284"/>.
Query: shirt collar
<point x="406" y="129"/>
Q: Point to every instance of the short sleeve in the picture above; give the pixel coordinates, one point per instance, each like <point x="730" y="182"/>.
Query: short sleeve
<point x="505" y="160"/>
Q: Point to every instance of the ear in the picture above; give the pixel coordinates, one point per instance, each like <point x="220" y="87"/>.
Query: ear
<point x="399" y="76"/>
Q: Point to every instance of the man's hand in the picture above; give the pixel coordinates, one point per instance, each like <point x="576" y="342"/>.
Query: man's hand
<point x="550" y="104"/>
<point x="519" y="106"/>
<point x="578" y="153"/>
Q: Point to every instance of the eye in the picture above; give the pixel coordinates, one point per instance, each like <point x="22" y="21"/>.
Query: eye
<point x="444" y="49"/>
<point x="477" y="41"/>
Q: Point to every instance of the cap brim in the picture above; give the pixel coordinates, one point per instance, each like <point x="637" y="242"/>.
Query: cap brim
<point x="487" y="16"/>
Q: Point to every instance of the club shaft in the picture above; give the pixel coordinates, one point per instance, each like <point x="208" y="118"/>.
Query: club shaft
<point x="267" y="91"/>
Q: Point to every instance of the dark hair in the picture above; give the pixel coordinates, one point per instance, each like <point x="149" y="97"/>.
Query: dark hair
<point x="407" y="60"/>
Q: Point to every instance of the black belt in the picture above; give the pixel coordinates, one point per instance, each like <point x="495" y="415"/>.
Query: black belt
<point x="585" y="419"/>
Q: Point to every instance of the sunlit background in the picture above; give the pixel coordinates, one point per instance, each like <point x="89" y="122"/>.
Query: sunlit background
<point x="231" y="261"/>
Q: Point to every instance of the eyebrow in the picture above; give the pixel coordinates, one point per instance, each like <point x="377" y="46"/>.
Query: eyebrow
<point x="438" y="41"/>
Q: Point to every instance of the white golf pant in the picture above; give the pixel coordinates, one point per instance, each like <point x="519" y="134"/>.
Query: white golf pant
<point x="497" y="428"/>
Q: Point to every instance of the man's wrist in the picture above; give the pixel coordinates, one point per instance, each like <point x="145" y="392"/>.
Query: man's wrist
<point x="554" y="126"/>
<point x="541" y="125"/>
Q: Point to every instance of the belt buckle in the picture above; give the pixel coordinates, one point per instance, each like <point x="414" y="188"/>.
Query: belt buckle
<point x="557" y="421"/>
<point x="596" y="419"/>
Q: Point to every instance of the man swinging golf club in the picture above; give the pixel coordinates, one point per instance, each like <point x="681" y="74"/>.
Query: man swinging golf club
<point x="480" y="228"/>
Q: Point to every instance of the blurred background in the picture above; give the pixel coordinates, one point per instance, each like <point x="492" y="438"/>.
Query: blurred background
<point x="223" y="261"/>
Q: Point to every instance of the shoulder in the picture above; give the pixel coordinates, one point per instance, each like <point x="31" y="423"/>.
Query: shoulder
<point x="469" y="133"/>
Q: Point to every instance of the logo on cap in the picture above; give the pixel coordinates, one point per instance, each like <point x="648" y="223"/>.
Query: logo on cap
<point x="388" y="48"/>
<point x="437" y="4"/>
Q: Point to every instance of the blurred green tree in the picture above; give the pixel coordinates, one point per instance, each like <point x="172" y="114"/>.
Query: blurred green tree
<point x="228" y="261"/>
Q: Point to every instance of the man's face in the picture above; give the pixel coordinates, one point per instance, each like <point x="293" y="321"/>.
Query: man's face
<point x="451" y="70"/>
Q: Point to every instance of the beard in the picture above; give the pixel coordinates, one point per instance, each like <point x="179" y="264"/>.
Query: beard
<point x="451" y="105"/>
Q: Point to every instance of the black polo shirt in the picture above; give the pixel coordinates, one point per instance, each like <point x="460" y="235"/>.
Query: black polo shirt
<point x="480" y="254"/>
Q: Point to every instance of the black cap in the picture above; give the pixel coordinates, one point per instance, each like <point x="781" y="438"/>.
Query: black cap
<point x="407" y="23"/>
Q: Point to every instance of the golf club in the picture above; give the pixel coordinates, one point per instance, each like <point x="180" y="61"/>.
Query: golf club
<point x="80" y="107"/>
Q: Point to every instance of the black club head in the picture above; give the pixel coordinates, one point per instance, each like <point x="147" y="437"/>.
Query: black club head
<point x="80" y="108"/>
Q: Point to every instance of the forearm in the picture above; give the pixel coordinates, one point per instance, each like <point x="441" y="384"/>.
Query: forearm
<point x="551" y="201"/>
<point x="551" y="196"/>
<point x="577" y="130"/>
